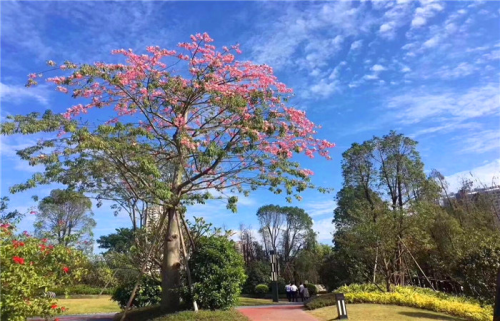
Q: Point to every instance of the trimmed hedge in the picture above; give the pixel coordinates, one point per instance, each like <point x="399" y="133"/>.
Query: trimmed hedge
<point x="81" y="289"/>
<point x="313" y="290"/>
<point x="261" y="290"/>
<point x="409" y="296"/>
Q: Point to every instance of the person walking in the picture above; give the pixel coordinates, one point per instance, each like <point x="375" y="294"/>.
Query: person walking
<point x="294" y="292"/>
<point x="288" y="289"/>
<point x="305" y="294"/>
<point x="301" y="291"/>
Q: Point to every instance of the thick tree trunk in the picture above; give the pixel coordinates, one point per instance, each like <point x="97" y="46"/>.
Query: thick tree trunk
<point x="171" y="265"/>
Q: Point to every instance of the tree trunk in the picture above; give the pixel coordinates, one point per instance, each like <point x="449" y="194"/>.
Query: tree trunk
<point x="171" y="265"/>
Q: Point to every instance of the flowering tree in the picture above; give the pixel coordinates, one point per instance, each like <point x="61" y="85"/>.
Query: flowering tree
<point x="173" y="136"/>
<point x="31" y="266"/>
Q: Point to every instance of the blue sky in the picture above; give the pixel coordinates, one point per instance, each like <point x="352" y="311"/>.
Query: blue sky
<point x="428" y="69"/>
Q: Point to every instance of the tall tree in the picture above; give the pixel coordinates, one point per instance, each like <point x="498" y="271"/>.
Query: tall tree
<point x="218" y="124"/>
<point x="286" y="230"/>
<point x="384" y="182"/>
<point x="66" y="217"/>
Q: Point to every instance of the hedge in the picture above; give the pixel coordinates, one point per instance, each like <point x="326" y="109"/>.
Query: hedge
<point x="427" y="299"/>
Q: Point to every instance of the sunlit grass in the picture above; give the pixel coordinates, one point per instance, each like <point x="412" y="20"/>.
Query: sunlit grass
<point x="376" y="312"/>
<point x="89" y="304"/>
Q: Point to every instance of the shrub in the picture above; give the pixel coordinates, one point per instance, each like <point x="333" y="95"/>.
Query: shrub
<point x="313" y="290"/>
<point x="30" y="267"/>
<point x="148" y="293"/>
<point x="281" y="286"/>
<point x="261" y="290"/>
<point x="258" y="272"/>
<point x="218" y="273"/>
<point x="408" y="296"/>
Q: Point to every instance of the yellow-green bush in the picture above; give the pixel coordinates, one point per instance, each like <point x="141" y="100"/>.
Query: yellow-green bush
<point x="412" y="297"/>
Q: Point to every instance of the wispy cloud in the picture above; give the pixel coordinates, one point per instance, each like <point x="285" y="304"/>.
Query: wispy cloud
<point x="320" y="207"/>
<point x="15" y="94"/>
<point x="487" y="174"/>
<point x="445" y="105"/>
<point x="324" y="229"/>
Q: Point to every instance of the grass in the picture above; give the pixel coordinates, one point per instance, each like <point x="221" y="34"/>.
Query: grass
<point x="231" y="315"/>
<point x="89" y="304"/>
<point x="246" y="301"/>
<point x="376" y="312"/>
<point x="154" y="313"/>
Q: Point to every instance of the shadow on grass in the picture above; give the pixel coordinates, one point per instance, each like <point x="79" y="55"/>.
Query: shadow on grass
<point x="427" y="315"/>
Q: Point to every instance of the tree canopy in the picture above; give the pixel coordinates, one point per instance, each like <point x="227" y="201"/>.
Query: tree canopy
<point x="178" y="124"/>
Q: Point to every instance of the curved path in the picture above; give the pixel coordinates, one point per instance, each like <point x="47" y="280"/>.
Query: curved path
<point x="276" y="312"/>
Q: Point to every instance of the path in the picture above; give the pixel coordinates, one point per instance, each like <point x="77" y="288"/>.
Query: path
<point x="276" y="313"/>
<point x="81" y="317"/>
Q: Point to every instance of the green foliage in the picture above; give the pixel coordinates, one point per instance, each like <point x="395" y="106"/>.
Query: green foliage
<point x="218" y="273"/>
<point x="66" y="217"/>
<point x="6" y="217"/>
<point x="391" y="217"/>
<point x="462" y="307"/>
<point x="478" y="269"/>
<point x="261" y="290"/>
<point x="30" y="267"/>
<point x="99" y="274"/>
<point x="257" y="272"/>
<point x="148" y="293"/>
<point x="119" y="242"/>
<point x="313" y="290"/>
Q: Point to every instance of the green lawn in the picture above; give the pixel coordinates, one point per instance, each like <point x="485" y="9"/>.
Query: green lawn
<point x="96" y="304"/>
<point x="89" y="304"/>
<point x="231" y="315"/>
<point x="376" y="312"/>
<point x="246" y="301"/>
<point x="154" y="313"/>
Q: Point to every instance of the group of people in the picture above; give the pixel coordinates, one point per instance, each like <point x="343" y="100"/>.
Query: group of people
<point x="292" y="291"/>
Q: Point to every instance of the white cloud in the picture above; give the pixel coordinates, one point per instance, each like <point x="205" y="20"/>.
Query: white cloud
<point x="356" y="45"/>
<point x="324" y="229"/>
<point x="488" y="174"/>
<point x="319" y="30"/>
<point x="378" y="67"/>
<point x="324" y="88"/>
<point x="370" y="77"/>
<point x="17" y="94"/>
<point x="447" y="105"/>
<point x="480" y="141"/>
<point x="405" y="69"/>
<point x="319" y="208"/>
<point x="428" y="10"/>
<point x="418" y="21"/>
<point x="433" y="42"/>
<point x="385" y="28"/>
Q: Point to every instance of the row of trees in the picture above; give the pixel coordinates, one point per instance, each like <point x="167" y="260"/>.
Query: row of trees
<point x="395" y="225"/>
<point x="287" y="231"/>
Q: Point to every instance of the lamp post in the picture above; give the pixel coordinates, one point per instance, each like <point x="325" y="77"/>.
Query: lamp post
<point x="339" y="297"/>
<point x="274" y="275"/>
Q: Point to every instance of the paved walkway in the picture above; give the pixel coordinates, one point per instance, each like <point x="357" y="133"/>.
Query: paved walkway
<point x="277" y="313"/>
<point x="81" y="317"/>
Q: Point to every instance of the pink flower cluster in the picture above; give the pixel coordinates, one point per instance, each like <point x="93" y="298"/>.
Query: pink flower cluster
<point x="219" y="101"/>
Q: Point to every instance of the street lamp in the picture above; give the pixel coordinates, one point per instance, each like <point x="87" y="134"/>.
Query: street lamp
<point x="339" y="297"/>
<point x="274" y="275"/>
